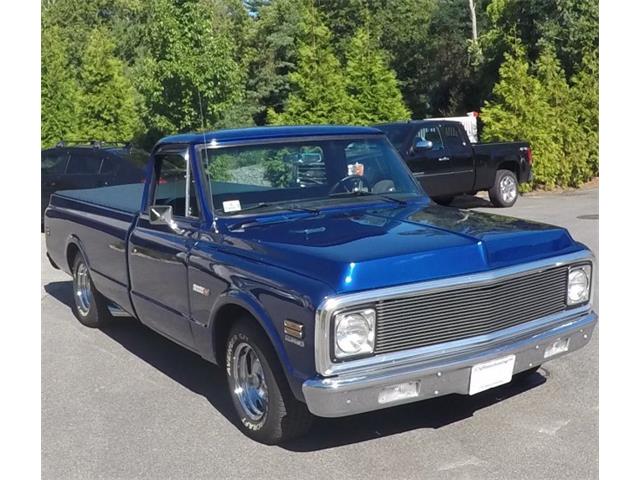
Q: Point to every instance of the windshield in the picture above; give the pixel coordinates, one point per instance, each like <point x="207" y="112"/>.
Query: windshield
<point x="324" y="171"/>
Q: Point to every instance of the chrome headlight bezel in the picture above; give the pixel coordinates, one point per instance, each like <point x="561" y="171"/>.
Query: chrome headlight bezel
<point x="367" y="316"/>
<point x="573" y="274"/>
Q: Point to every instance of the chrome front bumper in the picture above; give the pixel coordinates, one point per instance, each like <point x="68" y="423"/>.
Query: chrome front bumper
<point x="353" y="393"/>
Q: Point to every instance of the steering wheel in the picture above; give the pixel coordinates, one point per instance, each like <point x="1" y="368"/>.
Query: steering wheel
<point x="350" y="178"/>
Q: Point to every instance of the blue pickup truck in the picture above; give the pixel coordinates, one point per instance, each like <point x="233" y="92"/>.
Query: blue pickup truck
<point x="310" y="264"/>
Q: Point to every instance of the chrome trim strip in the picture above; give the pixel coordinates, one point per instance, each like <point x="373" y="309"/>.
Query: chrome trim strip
<point x="326" y="367"/>
<point x="215" y="144"/>
<point x="423" y="174"/>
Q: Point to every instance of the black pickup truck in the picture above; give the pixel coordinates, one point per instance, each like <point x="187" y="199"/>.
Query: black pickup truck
<point x="446" y="163"/>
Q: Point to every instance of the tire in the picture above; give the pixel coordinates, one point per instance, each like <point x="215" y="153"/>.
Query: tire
<point x="504" y="192"/>
<point x="444" y="200"/>
<point x="267" y="410"/>
<point x="89" y="305"/>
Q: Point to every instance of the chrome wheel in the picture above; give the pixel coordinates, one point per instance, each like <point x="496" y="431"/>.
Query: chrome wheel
<point x="83" y="294"/>
<point x="250" y="386"/>
<point x="508" y="189"/>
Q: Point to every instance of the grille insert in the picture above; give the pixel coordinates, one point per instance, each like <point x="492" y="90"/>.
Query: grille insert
<point x="465" y="312"/>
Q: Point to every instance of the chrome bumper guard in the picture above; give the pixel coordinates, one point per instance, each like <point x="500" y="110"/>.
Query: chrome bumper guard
<point x="354" y="393"/>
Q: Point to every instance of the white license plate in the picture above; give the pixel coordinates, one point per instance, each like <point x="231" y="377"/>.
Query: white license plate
<point x="491" y="374"/>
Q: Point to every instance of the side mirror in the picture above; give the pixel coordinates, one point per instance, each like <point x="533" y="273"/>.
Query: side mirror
<point x="163" y="215"/>
<point x="422" y="144"/>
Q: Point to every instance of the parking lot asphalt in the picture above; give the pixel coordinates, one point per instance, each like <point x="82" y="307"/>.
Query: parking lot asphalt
<point x="127" y="403"/>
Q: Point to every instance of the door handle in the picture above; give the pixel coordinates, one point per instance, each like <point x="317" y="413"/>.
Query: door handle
<point x="443" y="159"/>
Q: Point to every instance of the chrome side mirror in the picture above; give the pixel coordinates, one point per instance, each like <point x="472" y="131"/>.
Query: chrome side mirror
<point x="422" y="144"/>
<point x="163" y="215"/>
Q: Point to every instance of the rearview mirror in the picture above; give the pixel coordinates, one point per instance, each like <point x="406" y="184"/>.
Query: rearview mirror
<point x="163" y="215"/>
<point x="422" y="144"/>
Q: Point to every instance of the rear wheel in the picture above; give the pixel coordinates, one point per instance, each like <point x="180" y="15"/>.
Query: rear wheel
<point x="504" y="192"/>
<point x="89" y="306"/>
<point x="268" y="411"/>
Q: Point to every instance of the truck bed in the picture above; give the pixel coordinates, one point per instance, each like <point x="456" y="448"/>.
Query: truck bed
<point x="126" y="198"/>
<point x="98" y="221"/>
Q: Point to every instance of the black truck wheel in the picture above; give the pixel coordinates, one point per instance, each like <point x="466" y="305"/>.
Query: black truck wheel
<point x="268" y="411"/>
<point x="89" y="305"/>
<point x="504" y="192"/>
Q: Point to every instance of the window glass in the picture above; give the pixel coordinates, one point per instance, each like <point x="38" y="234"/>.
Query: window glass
<point x="303" y="171"/>
<point x="83" y="163"/>
<point x="451" y="136"/>
<point x="54" y="162"/>
<point x="431" y="134"/>
<point x="172" y="173"/>
<point x="397" y="134"/>
<point x="109" y="166"/>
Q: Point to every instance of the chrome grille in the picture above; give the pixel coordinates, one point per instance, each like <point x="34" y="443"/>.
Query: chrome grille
<point x="464" y="312"/>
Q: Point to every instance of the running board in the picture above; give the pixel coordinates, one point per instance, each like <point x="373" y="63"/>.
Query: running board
<point x="116" y="311"/>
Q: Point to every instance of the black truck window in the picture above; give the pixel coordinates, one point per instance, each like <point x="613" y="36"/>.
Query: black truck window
<point x="431" y="134"/>
<point x="451" y="136"/>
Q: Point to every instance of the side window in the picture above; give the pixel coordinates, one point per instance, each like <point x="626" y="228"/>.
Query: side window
<point x="54" y="162"/>
<point x="431" y="134"/>
<point x="83" y="163"/>
<point x="175" y="185"/>
<point x="109" y="166"/>
<point x="451" y="136"/>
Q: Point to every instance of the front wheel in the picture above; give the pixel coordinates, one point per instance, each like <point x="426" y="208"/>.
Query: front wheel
<point x="504" y="192"/>
<point x="268" y="411"/>
<point x="89" y="306"/>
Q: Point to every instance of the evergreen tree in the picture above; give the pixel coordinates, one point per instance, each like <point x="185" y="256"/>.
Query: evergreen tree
<point x="371" y="85"/>
<point x="59" y="90"/>
<point x="274" y="39"/>
<point x="107" y="104"/>
<point x="319" y="94"/>
<point x="562" y="124"/>
<point x="519" y="110"/>
<point x="585" y="103"/>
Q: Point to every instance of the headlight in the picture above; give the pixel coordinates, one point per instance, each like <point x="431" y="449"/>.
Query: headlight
<point x="355" y="333"/>
<point x="578" y="285"/>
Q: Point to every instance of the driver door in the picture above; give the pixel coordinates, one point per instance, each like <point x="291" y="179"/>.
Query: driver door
<point x="158" y="254"/>
<point x="429" y="166"/>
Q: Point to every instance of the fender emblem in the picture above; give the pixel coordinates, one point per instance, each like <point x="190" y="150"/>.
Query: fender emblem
<point x="201" y="290"/>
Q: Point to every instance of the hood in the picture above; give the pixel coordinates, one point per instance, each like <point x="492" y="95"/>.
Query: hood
<point x="364" y="248"/>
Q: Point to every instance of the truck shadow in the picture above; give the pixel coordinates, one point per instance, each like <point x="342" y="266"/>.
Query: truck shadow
<point x="470" y="201"/>
<point x="203" y="378"/>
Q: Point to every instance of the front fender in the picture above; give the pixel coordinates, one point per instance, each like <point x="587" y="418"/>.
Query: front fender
<point x="205" y="336"/>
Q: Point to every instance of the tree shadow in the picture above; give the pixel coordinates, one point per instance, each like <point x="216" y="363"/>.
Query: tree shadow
<point x="203" y="378"/>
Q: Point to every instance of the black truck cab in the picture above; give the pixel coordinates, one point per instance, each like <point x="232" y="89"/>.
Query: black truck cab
<point x="441" y="157"/>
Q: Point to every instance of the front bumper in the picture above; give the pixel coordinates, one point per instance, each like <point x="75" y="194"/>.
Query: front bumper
<point x="350" y="394"/>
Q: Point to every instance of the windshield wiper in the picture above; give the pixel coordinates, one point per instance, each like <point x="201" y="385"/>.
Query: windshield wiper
<point x="277" y="206"/>
<point x="362" y="193"/>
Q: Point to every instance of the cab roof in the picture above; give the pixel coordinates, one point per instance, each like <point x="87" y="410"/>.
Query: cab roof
<point x="258" y="133"/>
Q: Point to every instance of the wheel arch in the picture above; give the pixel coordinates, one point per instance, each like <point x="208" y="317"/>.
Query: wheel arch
<point x="512" y="166"/>
<point x="73" y="248"/>
<point x="227" y="310"/>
